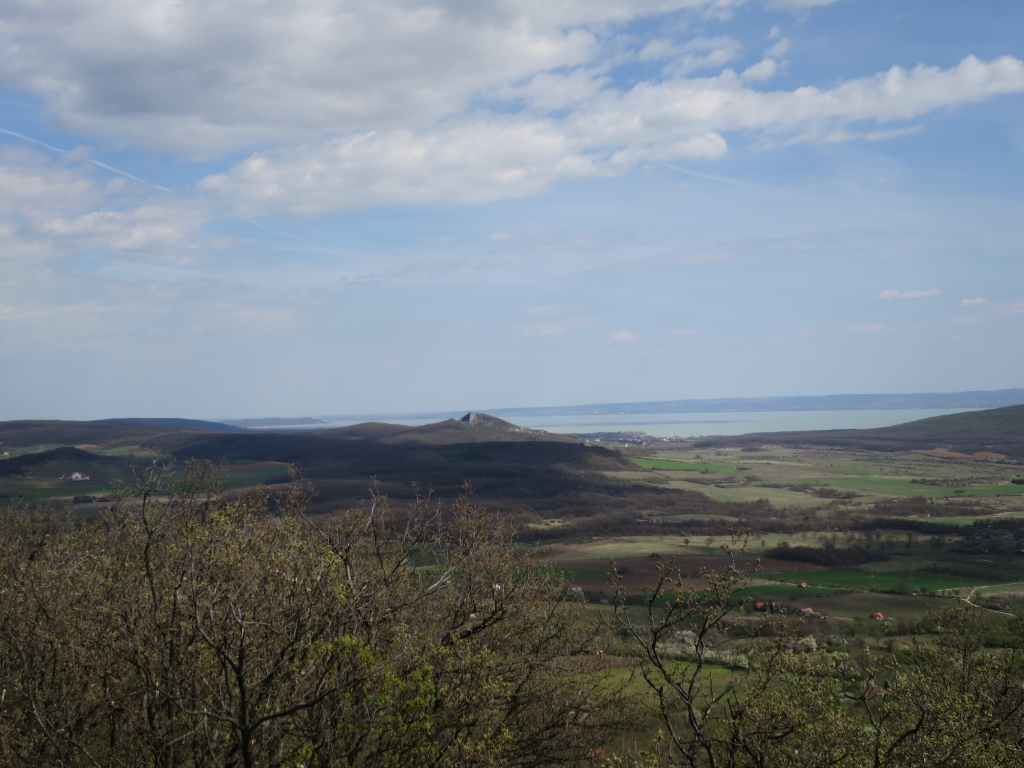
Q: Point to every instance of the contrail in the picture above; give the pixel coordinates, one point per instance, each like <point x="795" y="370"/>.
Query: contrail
<point x="723" y="179"/>
<point x="290" y="237"/>
<point x="97" y="163"/>
<point x="111" y="168"/>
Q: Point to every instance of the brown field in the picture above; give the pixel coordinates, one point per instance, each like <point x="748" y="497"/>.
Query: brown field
<point x="944" y="453"/>
<point x="862" y="604"/>
<point x="639" y="574"/>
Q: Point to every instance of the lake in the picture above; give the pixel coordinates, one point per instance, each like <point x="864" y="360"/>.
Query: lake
<point x="702" y="424"/>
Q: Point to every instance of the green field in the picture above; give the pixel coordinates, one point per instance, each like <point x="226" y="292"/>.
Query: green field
<point x="890" y="486"/>
<point x="862" y="604"/>
<point x="783" y="591"/>
<point x="244" y="476"/>
<point x="777" y="497"/>
<point x="797" y="478"/>
<point x="37" y="489"/>
<point x="46" y="484"/>
<point x="687" y="466"/>
<point x="582" y="573"/>
<point x="910" y="581"/>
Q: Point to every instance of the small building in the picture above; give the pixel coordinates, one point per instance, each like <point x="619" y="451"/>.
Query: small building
<point x="75" y="476"/>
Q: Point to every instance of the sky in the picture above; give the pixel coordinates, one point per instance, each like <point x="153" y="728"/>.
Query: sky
<point x="243" y="209"/>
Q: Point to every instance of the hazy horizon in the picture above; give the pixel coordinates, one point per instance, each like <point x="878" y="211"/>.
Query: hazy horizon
<point x="904" y="402"/>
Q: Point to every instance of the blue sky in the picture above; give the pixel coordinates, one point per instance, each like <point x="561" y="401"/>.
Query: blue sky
<point x="250" y="209"/>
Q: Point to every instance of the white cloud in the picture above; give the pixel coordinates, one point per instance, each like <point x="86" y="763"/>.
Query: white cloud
<point x="973" y="302"/>
<point x="655" y="50"/>
<point x="34" y="188"/>
<point x="622" y="336"/>
<point x="765" y="69"/>
<point x="704" y="53"/>
<point x="491" y="156"/>
<point x="51" y="209"/>
<point x="894" y="133"/>
<point x="54" y="214"/>
<point x="203" y="78"/>
<point x="778" y="50"/>
<point x="146" y="228"/>
<point x="916" y="294"/>
<point x="399" y="101"/>
<point x="469" y="163"/>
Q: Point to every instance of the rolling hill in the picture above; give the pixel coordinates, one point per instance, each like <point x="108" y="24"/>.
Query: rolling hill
<point x="507" y="465"/>
<point x="995" y="430"/>
<point x="106" y="434"/>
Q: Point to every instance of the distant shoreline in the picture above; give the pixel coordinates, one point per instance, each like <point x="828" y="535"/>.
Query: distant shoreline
<point x="930" y="401"/>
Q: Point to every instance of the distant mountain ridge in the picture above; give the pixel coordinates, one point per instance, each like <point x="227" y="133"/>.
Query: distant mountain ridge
<point x="274" y="422"/>
<point x="211" y="426"/>
<point x="108" y="433"/>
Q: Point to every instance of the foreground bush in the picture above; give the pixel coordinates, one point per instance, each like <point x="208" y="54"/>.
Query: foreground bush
<point x="185" y="630"/>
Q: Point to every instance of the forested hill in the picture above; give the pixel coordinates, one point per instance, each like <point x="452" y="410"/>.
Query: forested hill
<point x="995" y="430"/>
<point x="175" y="434"/>
<point x="471" y="428"/>
<point x="508" y="466"/>
<point x="108" y="433"/>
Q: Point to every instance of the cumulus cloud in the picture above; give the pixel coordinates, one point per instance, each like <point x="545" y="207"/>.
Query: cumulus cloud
<point x="476" y="162"/>
<point x="203" y="78"/>
<point x="973" y="302"/>
<point x="492" y="156"/>
<point x="765" y="69"/>
<point x="49" y="210"/>
<point x="778" y="50"/>
<point x="144" y="228"/>
<point x="399" y="101"/>
<point x="894" y="133"/>
<point x="55" y="211"/>
<point x="32" y="188"/>
<point x="916" y="294"/>
<point x="699" y="53"/>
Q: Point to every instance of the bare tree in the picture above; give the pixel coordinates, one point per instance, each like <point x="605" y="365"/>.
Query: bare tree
<point x="183" y="629"/>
